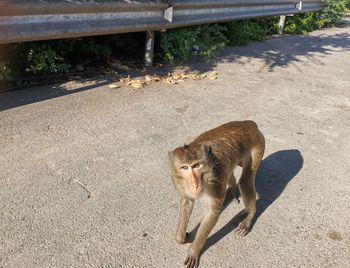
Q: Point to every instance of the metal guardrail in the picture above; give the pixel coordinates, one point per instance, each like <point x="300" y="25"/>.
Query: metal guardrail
<point x="31" y="20"/>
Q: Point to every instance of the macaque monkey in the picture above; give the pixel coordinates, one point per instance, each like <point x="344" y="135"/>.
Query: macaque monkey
<point x="205" y="168"/>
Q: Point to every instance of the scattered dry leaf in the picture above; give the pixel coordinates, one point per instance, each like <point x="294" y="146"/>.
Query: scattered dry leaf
<point x="148" y="78"/>
<point x="212" y="75"/>
<point x="137" y="84"/>
<point x="169" y="80"/>
<point x="176" y="76"/>
<point x="197" y="76"/>
<point x="172" y="78"/>
<point x="114" y="86"/>
<point x="156" y="78"/>
<point x="152" y="78"/>
<point x="125" y="80"/>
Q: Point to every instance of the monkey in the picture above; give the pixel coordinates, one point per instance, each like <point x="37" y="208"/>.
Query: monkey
<point x="205" y="167"/>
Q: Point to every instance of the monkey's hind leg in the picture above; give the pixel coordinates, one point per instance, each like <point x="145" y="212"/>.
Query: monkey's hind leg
<point x="247" y="189"/>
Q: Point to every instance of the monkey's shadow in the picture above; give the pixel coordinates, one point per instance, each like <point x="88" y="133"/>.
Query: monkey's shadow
<point x="274" y="173"/>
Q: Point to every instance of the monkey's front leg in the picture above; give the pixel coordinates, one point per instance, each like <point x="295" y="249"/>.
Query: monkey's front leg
<point x="186" y="207"/>
<point x="207" y="224"/>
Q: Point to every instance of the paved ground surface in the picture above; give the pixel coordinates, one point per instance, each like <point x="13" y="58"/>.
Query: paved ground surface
<point x="59" y="144"/>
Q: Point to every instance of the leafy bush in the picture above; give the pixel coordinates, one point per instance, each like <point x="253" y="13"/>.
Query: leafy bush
<point x="5" y="72"/>
<point x="347" y="4"/>
<point x="177" y="44"/>
<point x="244" y="31"/>
<point x="41" y="59"/>
<point x="331" y="15"/>
<point x="58" y="56"/>
<point x="180" y="44"/>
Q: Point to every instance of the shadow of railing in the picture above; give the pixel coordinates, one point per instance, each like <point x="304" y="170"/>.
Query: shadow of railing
<point x="13" y="99"/>
<point x="286" y="51"/>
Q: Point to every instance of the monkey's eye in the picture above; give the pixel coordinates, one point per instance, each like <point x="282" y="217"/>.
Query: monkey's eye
<point x="184" y="167"/>
<point x="197" y="165"/>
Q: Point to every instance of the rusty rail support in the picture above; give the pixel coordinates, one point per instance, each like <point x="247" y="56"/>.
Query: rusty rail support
<point x="149" y="49"/>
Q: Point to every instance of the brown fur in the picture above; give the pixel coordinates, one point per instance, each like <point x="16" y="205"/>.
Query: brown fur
<point x="205" y="167"/>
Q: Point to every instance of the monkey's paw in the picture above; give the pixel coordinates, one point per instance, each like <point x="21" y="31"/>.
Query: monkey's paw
<point x="192" y="260"/>
<point x="243" y="228"/>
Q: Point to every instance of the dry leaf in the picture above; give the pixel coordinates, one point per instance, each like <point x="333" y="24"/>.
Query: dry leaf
<point x="137" y="84"/>
<point x="114" y="86"/>
<point x="153" y="78"/>
<point x="169" y="80"/>
<point x="172" y="78"/>
<point x="177" y="76"/>
<point x="148" y="78"/>
<point x="156" y="78"/>
<point x="212" y="75"/>
<point x="196" y="76"/>
<point x="125" y="80"/>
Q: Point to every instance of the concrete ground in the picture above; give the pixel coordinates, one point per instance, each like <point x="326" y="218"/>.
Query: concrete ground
<point x="84" y="180"/>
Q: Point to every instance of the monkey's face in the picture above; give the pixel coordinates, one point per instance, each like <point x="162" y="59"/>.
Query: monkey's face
<point x="190" y="164"/>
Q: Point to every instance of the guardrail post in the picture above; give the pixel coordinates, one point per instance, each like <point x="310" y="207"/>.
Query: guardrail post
<point x="149" y="48"/>
<point x="281" y="24"/>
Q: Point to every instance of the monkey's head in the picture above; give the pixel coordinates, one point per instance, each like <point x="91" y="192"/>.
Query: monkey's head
<point x="190" y="163"/>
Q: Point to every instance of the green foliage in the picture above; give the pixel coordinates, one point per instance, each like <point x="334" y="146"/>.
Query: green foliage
<point x="333" y="13"/>
<point x="347" y="4"/>
<point x="58" y="56"/>
<point x="5" y="72"/>
<point x="304" y="23"/>
<point x="242" y="32"/>
<point x="42" y="59"/>
<point x="177" y="44"/>
<point x="93" y="48"/>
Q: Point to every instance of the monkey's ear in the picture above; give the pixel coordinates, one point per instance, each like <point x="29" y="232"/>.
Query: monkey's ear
<point x="207" y="151"/>
<point x="209" y="155"/>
